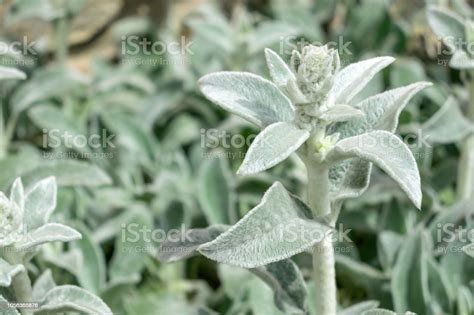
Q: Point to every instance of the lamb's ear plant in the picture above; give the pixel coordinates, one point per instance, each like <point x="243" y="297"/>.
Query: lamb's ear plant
<point x="450" y="124"/>
<point x="307" y="110"/>
<point x="25" y="226"/>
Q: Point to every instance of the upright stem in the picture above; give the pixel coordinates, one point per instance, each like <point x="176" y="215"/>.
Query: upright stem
<point x="465" y="184"/>
<point x="61" y="28"/>
<point x="21" y="283"/>
<point x="324" y="273"/>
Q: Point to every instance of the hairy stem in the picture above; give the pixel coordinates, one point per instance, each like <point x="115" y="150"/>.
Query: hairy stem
<point x="21" y="283"/>
<point x="324" y="274"/>
<point x="22" y="287"/>
<point x="465" y="185"/>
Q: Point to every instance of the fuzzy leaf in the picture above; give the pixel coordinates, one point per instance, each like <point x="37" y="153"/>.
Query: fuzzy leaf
<point x="388" y="152"/>
<point x="40" y="202"/>
<point x="43" y="285"/>
<point x="216" y="191"/>
<point x="91" y="274"/>
<point x="359" y="308"/>
<point x="448" y="125"/>
<point x="7" y="73"/>
<point x="341" y="113"/>
<point x="287" y="283"/>
<point x="7" y="272"/>
<point x="50" y="232"/>
<point x="17" y="193"/>
<point x="279" y="70"/>
<point x="69" y="173"/>
<point x="53" y="120"/>
<point x="353" y="78"/>
<point x="68" y="298"/>
<point x="274" y="230"/>
<point x="448" y="26"/>
<point x="273" y="145"/>
<point x="381" y="111"/>
<point x="249" y="96"/>
<point x="351" y="178"/>
<point x="5" y="308"/>
<point x="185" y="245"/>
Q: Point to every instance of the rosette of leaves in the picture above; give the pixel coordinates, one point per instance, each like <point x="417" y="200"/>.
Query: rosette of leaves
<point x="305" y="109"/>
<point x="25" y="226"/>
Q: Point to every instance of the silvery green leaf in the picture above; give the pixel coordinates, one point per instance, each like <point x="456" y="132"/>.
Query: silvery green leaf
<point x="43" y="285"/>
<point x="461" y="60"/>
<point x="91" y="273"/>
<point x="469" y="249"/>
<point x="381" y="111"/>
<point x="40" y="202"/>
<point x="50" y="232"/>
<point x="216" y="191"/>
<point x="359" y="308"/>
<point x="131" y="135"/>
<point x="349" y="179"/>
<point x="465" y="301"/>
<point x="448" y="124"/>
<point x="131" y="246"/>
<point x="388" y="152"/>
<point x="249" y="96"/>
<point x="15" y="165"/>
<point x="341" y="112"/>
<point x="273" y="145"/>
<point x="71" y="261"/>
<point x="435" y="283"/>
<point x="270" y="232"/>
<point x="5" y="308"/>
<point x="287" y="283"/>
<point x="17" y="193"/>
<point x="353" y="78"/>
<point x="68" y="298"/>
<point x="279" y="70"/>
<point x="7" y="272"/>
<point x="47" y="84"/>
<point x="69" y="173"/>
<point x="53" y="121"/>
<point x="261" y="298"/>
<point x="447" y="25"/>
<point x="388" y="245"/>
<point x="185" y="245"/>
<point x="406" y="285"/>
<point x="7" y="73"/>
